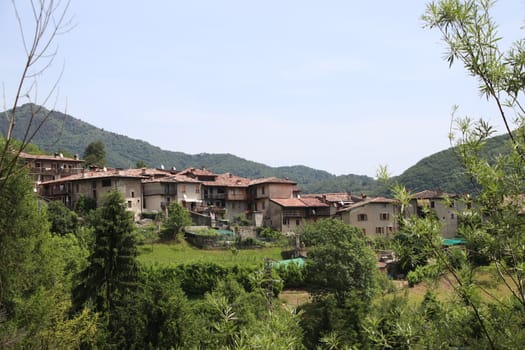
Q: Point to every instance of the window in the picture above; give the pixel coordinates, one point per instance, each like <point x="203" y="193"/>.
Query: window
<point x="183" y="188"/>
<point x="432" y="204"/>
<point x="38" y="165"/>
<point x="94" y="185"/>
<point x="297" y="222"/>
<point x="380" y="230"/>
<point x="384" y="216"/>
<point x="362" y="217"/>
<point x="262" y="190"/>
<point x="286" y="221"/>
<point x="263" y="205"/>
<point x="197" y="188"/>
<point x="452" y="216"/>
<point x="106" y="182"/>
<point x="129" y="204"/>
<point x="132" y="194"/>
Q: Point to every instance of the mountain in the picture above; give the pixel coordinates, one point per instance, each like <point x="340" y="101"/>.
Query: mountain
<point x="443" y="169"/>
<point x="66" y="134"/>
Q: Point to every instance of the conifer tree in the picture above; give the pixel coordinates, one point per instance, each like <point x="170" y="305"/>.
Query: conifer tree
<point x="112" y="273"/>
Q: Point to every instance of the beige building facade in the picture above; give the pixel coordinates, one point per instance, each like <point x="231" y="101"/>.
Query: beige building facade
<point x="377" y="217"/>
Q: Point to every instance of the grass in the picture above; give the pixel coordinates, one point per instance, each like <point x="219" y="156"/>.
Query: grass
<point x="182" y="253"/>
<point x="492" y="289"/>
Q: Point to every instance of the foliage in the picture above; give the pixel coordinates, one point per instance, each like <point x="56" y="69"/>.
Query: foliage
<point x="270" y="234"/>
<point x="112" y="273"/>
<point x="206" y="232"/>
<point x="85" y="205"/>
<point x="95" y="154"/>
<point x="140" y="164"/>
<point x="178" y="218"/>
<point x="292" y="275"/>
<point x="341" y="272"/>
<point x="423" y="272"/>
<point x="412" y="248"/>
<point x="62" y="219"/>
<point x="241" y="220"/>
<point x="493" y="226"/>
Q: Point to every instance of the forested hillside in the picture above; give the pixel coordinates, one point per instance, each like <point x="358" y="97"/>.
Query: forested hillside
<point x="443" y="170"/>
<point x="66" y="134"/>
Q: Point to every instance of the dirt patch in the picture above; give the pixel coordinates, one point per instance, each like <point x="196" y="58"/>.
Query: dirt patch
<point x="294" y="298"/>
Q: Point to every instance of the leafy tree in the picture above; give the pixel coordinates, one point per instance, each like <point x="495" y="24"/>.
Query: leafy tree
<point x="341" y="273"/>
<point x="178" y="218"/>
<point x="61" y="218"/>
<point x="95" y="154"/>
<point x="141" y="164"/>
<point x="494" y="227"/>
<point x="170" y="320"/>
<point x="111" y="277"/>
<point x="85" y="205"/>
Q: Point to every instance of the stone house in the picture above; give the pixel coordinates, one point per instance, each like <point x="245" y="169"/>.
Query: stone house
<point x="444" y="205"/>
<point x="377" y="217"/>
<point x="45" y="167"/>
<point x="260" y="191"/>
<point x="288" y="214"/>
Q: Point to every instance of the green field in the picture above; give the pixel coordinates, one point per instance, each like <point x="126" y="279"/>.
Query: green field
<point x="182" y="253"/>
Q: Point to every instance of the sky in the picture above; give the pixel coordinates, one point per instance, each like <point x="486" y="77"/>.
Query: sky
<point x="341" y="86"/>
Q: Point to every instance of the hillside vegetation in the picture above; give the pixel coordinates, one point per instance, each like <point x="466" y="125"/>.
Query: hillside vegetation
<point x="69" y="135"/>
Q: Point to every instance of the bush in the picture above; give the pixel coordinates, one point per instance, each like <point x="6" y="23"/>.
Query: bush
<point x="292" y="275"/>
<point x="421" y="272"/>
<point x="150" y="215"/>
<point x="269" y="234"/>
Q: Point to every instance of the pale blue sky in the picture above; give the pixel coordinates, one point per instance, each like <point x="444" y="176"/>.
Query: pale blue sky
<point x="342" y="86"/>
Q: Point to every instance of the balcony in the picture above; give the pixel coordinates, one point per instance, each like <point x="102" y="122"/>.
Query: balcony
<point x="290" y="213"/>
<point x="237" y="197"/>
<point x="214" y="195"/>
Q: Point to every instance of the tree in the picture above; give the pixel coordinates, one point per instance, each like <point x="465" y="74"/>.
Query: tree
<point x="341" y="273"/>
<point x="495" y="228"/>
<point x="62" y="219"/>
<point x="112" y="273"/>
<point x="95" y="154"/>
<point x="141" y="164"/>
<point x="178" y="218"/>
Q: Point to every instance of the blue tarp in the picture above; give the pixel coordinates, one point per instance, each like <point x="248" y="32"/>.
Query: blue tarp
<point x="453" y="241"/>
<point x="297" y="261"/>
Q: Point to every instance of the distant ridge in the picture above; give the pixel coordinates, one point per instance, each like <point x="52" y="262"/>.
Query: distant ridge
<point x="69" y="135"/>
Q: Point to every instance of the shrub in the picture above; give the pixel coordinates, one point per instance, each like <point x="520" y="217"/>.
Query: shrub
<point x="292" y="275"/>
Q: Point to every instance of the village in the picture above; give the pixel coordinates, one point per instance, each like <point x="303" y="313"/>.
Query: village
<point x="217" y="200"/>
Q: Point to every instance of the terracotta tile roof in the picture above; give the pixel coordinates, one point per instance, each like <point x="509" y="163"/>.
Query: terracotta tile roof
<point x="197" y="172"/>
<point x="228" y="180"/>
<point x="88" y="175"/>
<point x="330" y="197"/>
<point x="313" y="202"/>
<point x="176" y="178"/>
<point x="429" y="194"/>
<point x="149" y="172"/>
<point x="28" y="156"/>
<point x="376" y="200"/>
<point x="299" y="202"/>
<point x="272" y="179"/>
